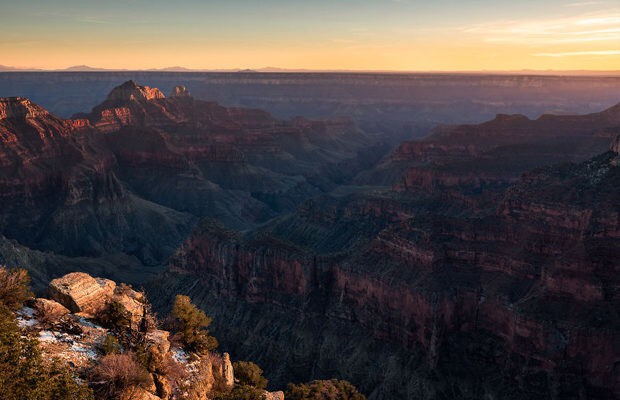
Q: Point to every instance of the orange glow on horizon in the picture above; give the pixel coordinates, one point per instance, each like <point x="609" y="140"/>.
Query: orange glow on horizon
<point x="583" y="40"/>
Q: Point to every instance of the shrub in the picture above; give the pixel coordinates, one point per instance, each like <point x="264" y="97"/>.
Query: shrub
<point x="190" y="325"/>
<point x="323" y="390"/>
<point x="250" y="374"/>
<point x="116" y="317"/>
<point x="150" y="358"/>
<point x="61" y="385"/>
<point x="176" y="373"/>
<point x="117" y="373"/>
<point x="111" y="345"/>
<point x="14" y="288"/>
<point x="123" y="288"/>
<point x="25" y="375"/>
<point x="242" y="392"/>
<point x="149" y="320"/>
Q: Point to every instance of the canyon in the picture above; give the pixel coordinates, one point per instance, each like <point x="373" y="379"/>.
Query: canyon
<point x="480" y="261"/>
<point x="509" y="303"/>
<point x="126" y="182"/>
<point x="401" y="105"/>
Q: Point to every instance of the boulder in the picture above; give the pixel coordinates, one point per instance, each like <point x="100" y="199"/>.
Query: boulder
<point x="86" y="296"/>
<point x="227" y="371"/>
<point x="80" y="292"/>
<point x="49" y="309"/>
<point x="158" y="340"/>
<point x="158" y="347"/>
<point x="163" y="385"/>
<point x="138" y="394"/>
<point x="279" y="395"/>
<point x="203" y="377"/>
<point x="132" y="301"/>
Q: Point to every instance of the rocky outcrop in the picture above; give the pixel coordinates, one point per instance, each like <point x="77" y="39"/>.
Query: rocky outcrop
<point x="20" y="108"/>
<point x="472" y="158"/>
<point x="139" y="394"/>
<point x="159" y="341"/>
<point x="49" y="309"/>
<point x="242" y="166"/>
<point x="279" y="395"/>
<point x="615" y="145"/>
<point x="80" y="339"/>
<point x="133" y="302"/>
<point x="130" y="91"/>
<point x="163" y="386"/>
<point x="81" y="293"/>
<point x="227" y="371"/>
<point x="180" y="91"/>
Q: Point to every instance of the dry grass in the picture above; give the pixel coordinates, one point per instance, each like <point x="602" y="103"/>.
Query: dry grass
<point x="117" y="373"/>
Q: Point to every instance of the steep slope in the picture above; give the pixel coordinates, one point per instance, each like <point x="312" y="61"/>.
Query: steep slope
<point x="409" y="298"/>
<point x="124" y="184"/>
<point x="60" y="192"/>
<point x="495" y="153"/>
<point x="444" y="273"/>
<point x="240" y="166"/>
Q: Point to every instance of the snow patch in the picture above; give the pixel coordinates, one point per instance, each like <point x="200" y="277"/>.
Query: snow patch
<point x="180" y="356"/>
<point x="26" y="312"/>
<point x="83" y="321"/>
<point x="81" y="349"/>
<point x="26" y="318"/>
<point x="47" y="336"/>
<point x="26" y="323"/>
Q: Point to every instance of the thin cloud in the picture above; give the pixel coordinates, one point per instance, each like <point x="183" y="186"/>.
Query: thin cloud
<point x="580" y="53"/>
<point x="584" y="4"/>
<point x="94" y="20"/>
<point x="98" y="21"/>
<point x="598" y="21"/>
<point x="590" y="27"/>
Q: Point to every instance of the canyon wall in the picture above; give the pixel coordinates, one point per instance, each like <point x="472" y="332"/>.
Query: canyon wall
<point x="421" y="301"/>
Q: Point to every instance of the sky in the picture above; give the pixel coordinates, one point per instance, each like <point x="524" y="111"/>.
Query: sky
<point x="395" y="35"/>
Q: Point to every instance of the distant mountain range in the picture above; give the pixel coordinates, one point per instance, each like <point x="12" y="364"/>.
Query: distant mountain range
<point x="5" y="68"/>
<point x="87" y="68"/>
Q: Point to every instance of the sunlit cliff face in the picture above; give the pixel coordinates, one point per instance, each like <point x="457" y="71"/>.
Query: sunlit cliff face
<point x="345" y="34"/>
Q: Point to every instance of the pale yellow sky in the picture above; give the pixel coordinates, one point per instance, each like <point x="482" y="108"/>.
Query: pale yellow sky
<point x="403" y="35"/>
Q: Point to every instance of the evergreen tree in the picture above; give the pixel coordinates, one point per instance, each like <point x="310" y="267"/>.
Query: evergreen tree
<point x="190" y="325"/>
<point x="332" y="389"/>
<point x="25" y="375"/>
<point x="248" y="373"/>
<point x="14" y="288"/>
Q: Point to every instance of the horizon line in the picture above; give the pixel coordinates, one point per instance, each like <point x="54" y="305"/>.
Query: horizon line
<point x="180" y="69"/>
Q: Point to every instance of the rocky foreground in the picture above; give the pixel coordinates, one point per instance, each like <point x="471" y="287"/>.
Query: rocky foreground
<point x="70" y="328"/>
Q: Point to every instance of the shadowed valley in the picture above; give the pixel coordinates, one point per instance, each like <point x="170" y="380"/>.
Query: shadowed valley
<point x="480" y="261"/>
